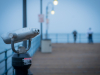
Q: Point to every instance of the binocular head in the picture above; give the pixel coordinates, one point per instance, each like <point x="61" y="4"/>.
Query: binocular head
<point x="20" y="35"/>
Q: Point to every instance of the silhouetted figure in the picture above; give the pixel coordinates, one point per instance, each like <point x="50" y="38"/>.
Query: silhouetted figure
<point x="75" y="35"/>
<point x="90" y="33"/>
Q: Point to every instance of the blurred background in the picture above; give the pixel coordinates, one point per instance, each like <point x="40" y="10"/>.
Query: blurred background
<point x="67" y="16"/>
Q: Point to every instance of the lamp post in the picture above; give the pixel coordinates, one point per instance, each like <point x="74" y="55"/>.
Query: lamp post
<point x="55" y="2"/>
<point x="40" y="24"/>
<point x="46" y="43"/>
<point x="47" y="21"/>
<point x="41" y="13"/>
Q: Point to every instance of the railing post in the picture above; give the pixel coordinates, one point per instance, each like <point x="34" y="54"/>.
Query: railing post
<point x="56" y="38"/>
<point x="13" y="68"/>
<point x="68" y="38"/>
<point x="80" y="38"/>
<point x="6" y="62"/>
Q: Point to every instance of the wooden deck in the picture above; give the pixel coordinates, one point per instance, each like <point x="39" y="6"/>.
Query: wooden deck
<point x="68" y="59"/>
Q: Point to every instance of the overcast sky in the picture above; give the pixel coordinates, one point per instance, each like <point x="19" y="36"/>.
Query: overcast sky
<point x="69" y="15"/>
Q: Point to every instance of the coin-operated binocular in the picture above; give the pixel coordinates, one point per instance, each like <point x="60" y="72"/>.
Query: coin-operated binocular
<point x="21" y="60"/>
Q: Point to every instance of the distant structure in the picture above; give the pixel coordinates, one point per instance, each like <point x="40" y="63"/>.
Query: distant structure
<point x="90" y="34"/>
<point x="74" y="35"/>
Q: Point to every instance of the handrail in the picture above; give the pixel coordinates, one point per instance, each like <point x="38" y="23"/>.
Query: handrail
<point x="68" y="37"/>
<point x="5" y="59"/>
<point x="35" y="40"/>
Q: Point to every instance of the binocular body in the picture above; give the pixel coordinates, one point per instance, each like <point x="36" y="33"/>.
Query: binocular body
<point x="20" y="35"/>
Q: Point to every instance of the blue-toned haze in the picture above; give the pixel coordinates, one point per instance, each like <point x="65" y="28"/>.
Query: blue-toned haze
<point x="69" y="15"/>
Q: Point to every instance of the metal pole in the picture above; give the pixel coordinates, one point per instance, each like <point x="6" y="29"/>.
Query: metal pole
<point x="13" y="68"/>
<point x="80" y="37"/>
<point x="56" y="38"/>
<point x="47" y="17"/>
<point x="46" y="31"/>
<point x="46" y="23"/>
<point x="6" y="62"/>
<point x="41" y="13"/>
<point x="41" y="23"/>
<point x="68" y="38"/>
<point x="24" y="20"/>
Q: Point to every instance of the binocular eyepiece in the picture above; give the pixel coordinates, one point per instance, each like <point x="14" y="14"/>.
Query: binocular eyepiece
<point x="20" y="35"/>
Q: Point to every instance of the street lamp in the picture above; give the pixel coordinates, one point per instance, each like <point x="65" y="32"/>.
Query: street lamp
<point x="47" y="20"/>
<point x="52" y="12"/>
<point x="55" y="2"/>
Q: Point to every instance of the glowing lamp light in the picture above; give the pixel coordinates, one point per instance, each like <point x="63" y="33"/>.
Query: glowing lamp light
<point x="55" y="2"/>
<point x="52" y="12"/>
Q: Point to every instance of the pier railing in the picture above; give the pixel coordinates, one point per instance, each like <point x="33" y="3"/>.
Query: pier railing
<point x="6" y="61"/>
<point x="68" y="38"/>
